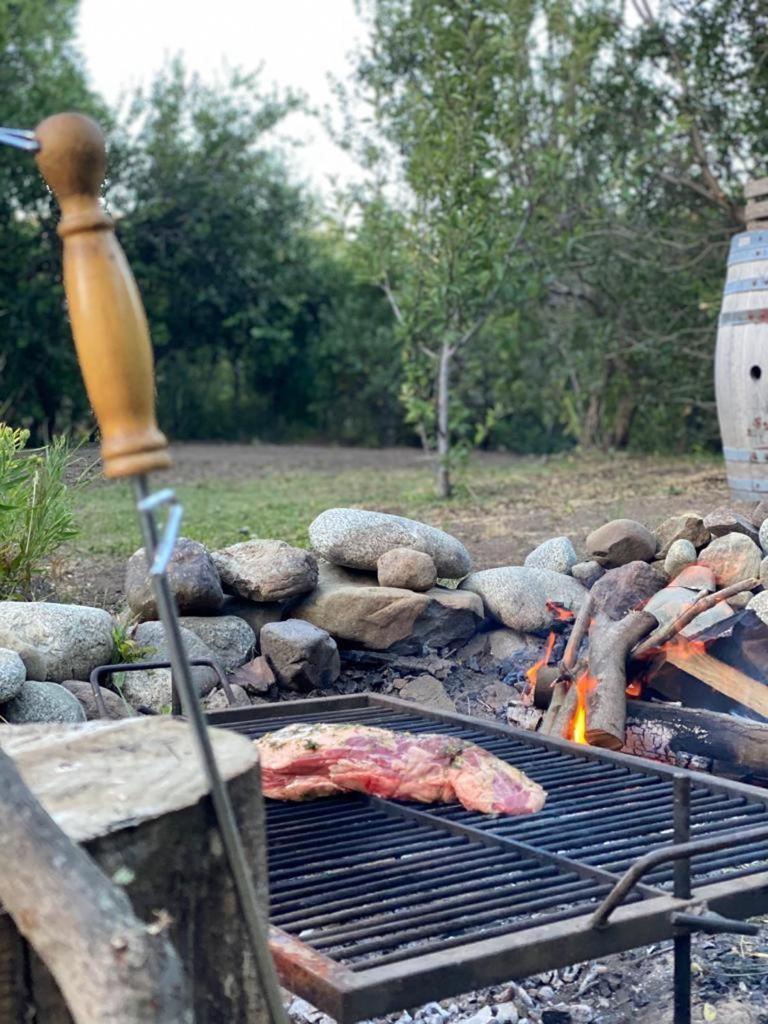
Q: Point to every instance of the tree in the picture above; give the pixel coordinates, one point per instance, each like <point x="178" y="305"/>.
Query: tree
<point x="449" y="85"/>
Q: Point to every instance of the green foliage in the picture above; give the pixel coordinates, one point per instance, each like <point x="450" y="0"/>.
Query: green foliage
<point x="36" y="515"/>
<point x="125" y="649"/>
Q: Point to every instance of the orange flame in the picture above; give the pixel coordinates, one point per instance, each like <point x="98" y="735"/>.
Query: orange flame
<point x="563" y="614"/>
<point x="578" y="728"/>
<point x="533" y="672"/>
<point x="685" y="648"/>
<point x="634" y="689"/>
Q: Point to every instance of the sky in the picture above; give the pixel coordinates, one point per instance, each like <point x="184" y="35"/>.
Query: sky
<point x="297" y="42"/>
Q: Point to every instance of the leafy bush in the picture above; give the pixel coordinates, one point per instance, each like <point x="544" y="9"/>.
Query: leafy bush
<point x="36" y="515"/>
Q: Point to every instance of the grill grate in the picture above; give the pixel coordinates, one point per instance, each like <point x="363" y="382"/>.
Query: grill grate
<point x="370" y="886"/>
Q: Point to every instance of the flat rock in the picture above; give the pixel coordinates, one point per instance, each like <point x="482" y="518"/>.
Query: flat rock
<point x="116" y="707"/>
<point x="671" y="602"/>
<point x="256" y="677"/>
<point x="57" y="641"/>
<point x="681" y="554"/>
<point x="427" y="690"/>
<point x="587" y="573"/>
<point x="384" y="618"/>
<point x="557" y="554"/>
<point x="759" y="605"/>
<point x="726" y="520"/>
<point x="696" y="577"/>
<point x="42" y="702"/>
<point x="406" y="569"/>
<point x="621" y="541"/>
<point x="12" y="674"/>
<point x="302" y="656"/>
<point x="191" y="574"/>
<point x="686" y="526"/>
<point x="151" y="688"/>
<point x="266" y="570"/>
<point x="357" y="539"/>
<point x="229" y="637"/>
<point x="731" y="558"/>
<point x="517" y="595"/>
<point x="627" y="587"/>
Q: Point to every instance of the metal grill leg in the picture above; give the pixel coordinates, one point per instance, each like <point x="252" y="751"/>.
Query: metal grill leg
<point x="682" y="889"/>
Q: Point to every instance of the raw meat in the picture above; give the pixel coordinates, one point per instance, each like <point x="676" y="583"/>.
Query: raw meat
<point x="304" y="761"/>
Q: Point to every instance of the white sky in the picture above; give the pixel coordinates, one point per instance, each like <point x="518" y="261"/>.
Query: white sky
<point x="298" y="42"/>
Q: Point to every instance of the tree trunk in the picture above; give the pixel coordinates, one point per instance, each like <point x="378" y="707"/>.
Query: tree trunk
<point x="444" y="486"/>
<point x="110" y="966"/>
<point x="134" y="796"/>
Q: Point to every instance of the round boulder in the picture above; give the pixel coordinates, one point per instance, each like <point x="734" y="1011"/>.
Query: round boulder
<point x="229" y="637"/>
<point x="266" y="570"/>
<point x="42" y="702"/>
<point x="621" y="541"/>
<point x="681" y="554"/>
<point x="57" y="641"/>
<point x="151" y="688"/>
<point x="587" y="573"/>
<point x="113" y="702"/>
<point x="12" y="674"/>
<point x="406" y="568"/>
<point x="731" y="558"/>
<point x="556" y="554"/>
<point x="764" y="537"/>
<point x="192" y="577"/>
<point x="357" y="539"/>
<point x="519" y="596"/>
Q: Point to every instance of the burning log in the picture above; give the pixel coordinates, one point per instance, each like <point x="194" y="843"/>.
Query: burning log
<point x="566" y="668"/>
<point x="692" y="658"/>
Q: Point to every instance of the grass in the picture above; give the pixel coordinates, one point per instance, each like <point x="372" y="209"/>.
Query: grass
<point x="492" y="494"/>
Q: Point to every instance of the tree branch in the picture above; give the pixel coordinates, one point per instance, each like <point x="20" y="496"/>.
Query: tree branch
<point x="387" y="288"/>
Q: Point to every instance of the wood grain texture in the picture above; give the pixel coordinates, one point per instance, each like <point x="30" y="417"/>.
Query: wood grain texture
<point x="107" y="317"/>
<point x="724" y="678"/>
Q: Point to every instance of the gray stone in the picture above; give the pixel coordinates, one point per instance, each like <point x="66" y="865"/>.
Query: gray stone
<point x="587" y="573"/>
<point x="760" y="513"/>
<point x="427" y="690"/>
<point x="686" y="526"/>
<point x="764" y="572"/>
<point x="556" y="554"/>
<point x="57" y="641"/>
<point x="731" y="558"/>
<point x="517" y="595"/>
<point x="217" y="700"/>
<point x="266" y="570"/>
<point x="191" y="574"/>
<point x="726" y="520"/>
<point x="739" y="601"/>
<point x="671" y="602"/>
<point x="256" y="614"/>
<point x="42" y="702"/>
<point x="696" y="577"/>
<point x="357" y="539"/>
<point x="759" y="605"/>
<point x="621" y="541"/>
<point x="229" y="637"/>
<point x="12" y="674"/>
<point x="114" y="703"/>
<point x="681" y="553"/>
<point x="388" y="618"/>
<point x="302" y="656"/>
<point x="627" y="587"/>
<point x="151" y="688"/>
<point x="406" y="569"/>
<point x="763" y="537"/>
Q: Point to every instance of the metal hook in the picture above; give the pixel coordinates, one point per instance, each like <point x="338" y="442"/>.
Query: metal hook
<point x="20" y="139"/>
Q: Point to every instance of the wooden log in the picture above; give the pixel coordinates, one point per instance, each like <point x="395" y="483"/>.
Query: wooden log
<point x="566" y="668"/>
<point x="133" y="795"/>
<point x="726" y="679"/>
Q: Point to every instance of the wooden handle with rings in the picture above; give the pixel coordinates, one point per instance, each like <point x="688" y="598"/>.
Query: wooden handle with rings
<point x="105" y="309"/>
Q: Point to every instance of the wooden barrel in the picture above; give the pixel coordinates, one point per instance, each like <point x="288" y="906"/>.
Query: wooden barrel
<point x="741" y="364"/>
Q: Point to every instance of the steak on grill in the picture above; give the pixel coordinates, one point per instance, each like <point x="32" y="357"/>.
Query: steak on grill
<point x="304" y="761"/>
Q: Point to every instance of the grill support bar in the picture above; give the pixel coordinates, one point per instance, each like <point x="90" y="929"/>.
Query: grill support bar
<point x="682" y="891"/>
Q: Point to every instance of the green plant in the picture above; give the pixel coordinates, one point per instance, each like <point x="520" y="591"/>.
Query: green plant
<point x="36" y="515"/>
<point x="125" y="649"/>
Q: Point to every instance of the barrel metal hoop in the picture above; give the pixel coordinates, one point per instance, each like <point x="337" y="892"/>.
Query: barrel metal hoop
<point x="745" y="316"/>
<point x="752" y="255"/>
<point x="749" y="486"/>
<point x="745" y="454"/>
<point x="747" y="284"/>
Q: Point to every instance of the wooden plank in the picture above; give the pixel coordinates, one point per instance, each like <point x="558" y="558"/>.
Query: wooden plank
<point x="721" y="677"/>
<point x="756" y="210"/>
<point x="756" y="187"/>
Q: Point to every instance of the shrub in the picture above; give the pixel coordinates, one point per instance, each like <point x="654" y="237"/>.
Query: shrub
<point x="36" y="515"/>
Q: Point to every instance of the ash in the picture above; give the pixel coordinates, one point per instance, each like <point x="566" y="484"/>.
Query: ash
<point x="730" y="974"/>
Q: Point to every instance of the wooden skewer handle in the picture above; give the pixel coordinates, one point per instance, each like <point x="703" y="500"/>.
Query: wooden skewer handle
<point x="105" y="309"/>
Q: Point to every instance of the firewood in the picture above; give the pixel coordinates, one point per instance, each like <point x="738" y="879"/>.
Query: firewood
<point x="666" y="632"/>
<point x="561" y="685"/>
<point x="724" y="678"/>
<point x="609" y="645"/>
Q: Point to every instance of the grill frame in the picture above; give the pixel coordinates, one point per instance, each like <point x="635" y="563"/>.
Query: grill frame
<point x="352" y="994"/>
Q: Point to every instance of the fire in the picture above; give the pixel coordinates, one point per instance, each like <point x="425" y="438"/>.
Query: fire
<point x="560" y="613"/>
<point x="578" y="729"/>
<point x="634" y="689"/>
<point x="685" y="648"/>
<point x="533" y="672"/>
